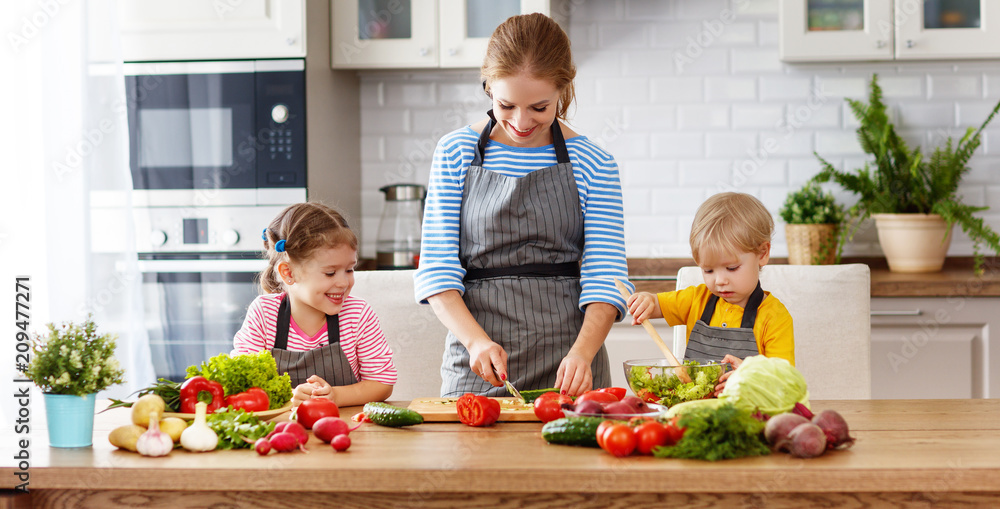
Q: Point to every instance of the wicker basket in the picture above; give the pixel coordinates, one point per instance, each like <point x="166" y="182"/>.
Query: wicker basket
<point x="811" y="244"/>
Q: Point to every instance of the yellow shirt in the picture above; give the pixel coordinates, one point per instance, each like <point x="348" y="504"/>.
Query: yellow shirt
<point x="773" y="328"/>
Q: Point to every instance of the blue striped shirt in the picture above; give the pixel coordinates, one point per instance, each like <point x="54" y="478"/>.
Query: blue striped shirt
<point x="596" y="174"/>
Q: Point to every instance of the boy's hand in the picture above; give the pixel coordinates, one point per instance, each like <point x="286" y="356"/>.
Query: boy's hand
<point x="642" y="306"/>
<point x="733" y="361"/>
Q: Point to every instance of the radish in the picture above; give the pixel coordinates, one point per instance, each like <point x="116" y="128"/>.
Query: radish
<point x="262" y="446"/>
<point x="835" y="428"/>
<point x="340" y="443"/>
<point x="327" y="428"/>
<point x="807" y="440"/>
<point x="295" y="429"/>
<point x="778" y="427"/>
<point x="284" y="442"/>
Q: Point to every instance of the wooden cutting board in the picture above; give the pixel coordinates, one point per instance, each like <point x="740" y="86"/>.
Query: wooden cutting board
<point x="443" y="409"/>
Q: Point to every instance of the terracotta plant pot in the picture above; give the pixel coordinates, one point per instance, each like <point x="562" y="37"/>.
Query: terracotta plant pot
<point x="913" y="242"/>
<point x="811" y="244"/>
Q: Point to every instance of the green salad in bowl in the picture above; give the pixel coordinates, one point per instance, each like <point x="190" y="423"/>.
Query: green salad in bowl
<point x="656" y="380"/>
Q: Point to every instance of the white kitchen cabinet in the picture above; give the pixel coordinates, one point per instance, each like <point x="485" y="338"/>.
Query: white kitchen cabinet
<point x="386" y="34"/>
<point x="937" y="347"/>
<point x="845" y="30"/>
<point x="154" y="30"/>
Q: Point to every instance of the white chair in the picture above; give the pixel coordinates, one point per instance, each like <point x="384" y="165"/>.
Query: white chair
<point x="831" y="314"/>
<point x="412" y="330"/>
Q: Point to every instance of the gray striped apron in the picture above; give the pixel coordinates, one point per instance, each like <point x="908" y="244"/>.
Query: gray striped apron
<point x="711" y="344"/>
<point x="521" y="240"/>
<point x="328" y="361"/>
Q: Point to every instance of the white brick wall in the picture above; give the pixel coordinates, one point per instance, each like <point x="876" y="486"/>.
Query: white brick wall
<point x="689" y="110"/>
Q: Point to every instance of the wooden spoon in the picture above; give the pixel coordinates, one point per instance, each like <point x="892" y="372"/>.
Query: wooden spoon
<point x="681" y="372"/>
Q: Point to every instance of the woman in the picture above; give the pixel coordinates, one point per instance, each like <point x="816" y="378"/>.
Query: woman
<point x="515" y="204"/>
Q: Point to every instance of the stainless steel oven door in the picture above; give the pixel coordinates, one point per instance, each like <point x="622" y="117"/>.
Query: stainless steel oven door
<point x="194" y="305"/>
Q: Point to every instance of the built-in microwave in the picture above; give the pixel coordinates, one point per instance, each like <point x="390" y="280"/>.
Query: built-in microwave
<point x="232" y="130"/>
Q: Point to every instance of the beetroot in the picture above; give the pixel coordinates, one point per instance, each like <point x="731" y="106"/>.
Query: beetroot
<point x="835" y="428"/>
<point x="778" y="427"/>
<point x="807" y="440"/>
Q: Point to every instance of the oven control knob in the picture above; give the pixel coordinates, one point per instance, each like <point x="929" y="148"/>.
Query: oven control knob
<point x="158" y="237"/>
<point x="279" y="113"/>
<point x="230" y="237"/>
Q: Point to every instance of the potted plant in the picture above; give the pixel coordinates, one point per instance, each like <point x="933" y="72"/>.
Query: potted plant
<point x="71" y="364"/>
<point x="914" y="200"/>
<point x="812" y="222"/>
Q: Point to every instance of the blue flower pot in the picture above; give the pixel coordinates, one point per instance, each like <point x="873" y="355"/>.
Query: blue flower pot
<point x="71" y="419"/>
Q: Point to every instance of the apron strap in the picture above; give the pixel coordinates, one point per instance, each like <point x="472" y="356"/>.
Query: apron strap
<point x="285" y="318"/>
<point x="749" y="312"/>
<point x="558" y="142"/>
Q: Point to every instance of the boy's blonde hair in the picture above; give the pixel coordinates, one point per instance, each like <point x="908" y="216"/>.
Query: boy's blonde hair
<point x="730" y="224"/>
<point x="305" y="227"/>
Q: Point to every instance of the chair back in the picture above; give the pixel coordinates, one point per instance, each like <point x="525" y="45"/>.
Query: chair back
<point x="831" y="315"/>
<point x="412" y="330"/>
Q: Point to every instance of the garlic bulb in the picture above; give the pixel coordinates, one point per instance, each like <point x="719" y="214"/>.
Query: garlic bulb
<point x="198" y="437"/>
<point x="154" y="442"/>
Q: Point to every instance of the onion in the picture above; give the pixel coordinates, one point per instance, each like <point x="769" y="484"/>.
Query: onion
<point x="835" y="428"/>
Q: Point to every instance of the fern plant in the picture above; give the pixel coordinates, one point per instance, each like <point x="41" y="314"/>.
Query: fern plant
<point x="902" y="181"/>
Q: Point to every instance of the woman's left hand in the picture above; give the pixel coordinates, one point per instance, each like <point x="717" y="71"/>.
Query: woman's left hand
<point x="733" y="361"/>
<point x="574" y="377"/>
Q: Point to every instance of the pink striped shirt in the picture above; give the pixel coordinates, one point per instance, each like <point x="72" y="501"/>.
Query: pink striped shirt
<point x="361" y="336"/>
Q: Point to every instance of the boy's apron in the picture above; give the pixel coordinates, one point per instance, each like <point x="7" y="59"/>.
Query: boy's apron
<point x="521" y="240"/>
<point x="711" y="344"/>
<point x="328" y="361"/>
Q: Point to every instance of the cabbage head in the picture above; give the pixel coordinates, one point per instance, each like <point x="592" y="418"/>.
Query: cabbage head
<point x="770" y="385"/>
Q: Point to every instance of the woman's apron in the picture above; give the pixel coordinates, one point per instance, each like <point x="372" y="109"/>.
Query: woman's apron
<point x="521" y="241"/>
<point x="711" y="344"/>
<point x="328" y="361"/>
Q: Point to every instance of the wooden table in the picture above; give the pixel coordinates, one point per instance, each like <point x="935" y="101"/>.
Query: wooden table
<point x="909" y="454"/>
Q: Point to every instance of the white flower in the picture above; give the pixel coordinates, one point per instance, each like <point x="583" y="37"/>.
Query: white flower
<point x="62" y="350"/>
<point x="74" y="360"/>
<point x="111" y="363"/>
<point x="96" y="370"/>
<point x="63" y="379"/>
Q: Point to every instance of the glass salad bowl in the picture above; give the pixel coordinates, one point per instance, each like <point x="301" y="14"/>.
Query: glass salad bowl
<point x="658" y="381"/>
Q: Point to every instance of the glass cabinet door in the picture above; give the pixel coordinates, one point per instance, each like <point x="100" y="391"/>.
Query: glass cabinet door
<point x="827" y="30"/>
<point x="947" y="29"/>
<point x="466" y="26"/>
<point x="384" y="33"/>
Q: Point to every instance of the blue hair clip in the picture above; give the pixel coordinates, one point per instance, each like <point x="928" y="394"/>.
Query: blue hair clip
<point x="264" y="235"/>
<point x="279" y="246"/>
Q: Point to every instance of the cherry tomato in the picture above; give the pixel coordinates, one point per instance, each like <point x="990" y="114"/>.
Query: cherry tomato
<point x="619" y="440"/>
<point x="601" y="428"/>
<point x="598" y="396"/>
<point x="649" y="435"/>
<point x="314" y="409"/>
<point x="639" y="419"/>
<point x="550" y="409"/>
<point x="674" y="430"/>
<point x="619" y="392"/>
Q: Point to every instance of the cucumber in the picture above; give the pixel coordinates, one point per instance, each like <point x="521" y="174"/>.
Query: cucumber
<point x="385" y="414"/>
<point x="580" y="431"/>
<point x="532" y="395"/>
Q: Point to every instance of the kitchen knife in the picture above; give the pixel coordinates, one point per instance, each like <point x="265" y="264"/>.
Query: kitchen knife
<point x="510" y="387"/>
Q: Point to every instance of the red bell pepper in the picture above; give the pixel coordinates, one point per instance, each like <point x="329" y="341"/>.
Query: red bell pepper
<point x="476" y="410"/>
<point x="192" y="389"/>
<point x="253" y="400"/>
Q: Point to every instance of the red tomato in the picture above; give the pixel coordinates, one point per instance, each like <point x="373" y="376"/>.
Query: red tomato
<point x="637" y="420"/>
<point x="619" y="392"/>
<point x="649" y="435"/>
<point x="550" y="408"/>
<point x="648" y="396"/>
<point x="674" y="430"/>
<point x="619" y="440"/>
<point x="314" y="409"/>
<point x="598" y="396"/>
<point x="601" y="428"/>
<point x="476" y="410"/>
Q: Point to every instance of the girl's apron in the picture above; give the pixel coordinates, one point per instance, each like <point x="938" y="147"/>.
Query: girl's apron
<point x="711" y="344"/>
<point x="328" y="361"/>
<point x="521" y="240"/>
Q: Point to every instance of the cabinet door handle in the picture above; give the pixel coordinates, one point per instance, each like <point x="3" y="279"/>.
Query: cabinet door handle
<point x="913" y="312"/>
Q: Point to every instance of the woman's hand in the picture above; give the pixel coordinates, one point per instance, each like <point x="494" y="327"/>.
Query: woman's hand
<point x="733" y="361"/>
<point x="485" y="356"/>
<point x="314" y="387"/>
<point x="573" y="376"/>
<point x="642" y="306"/>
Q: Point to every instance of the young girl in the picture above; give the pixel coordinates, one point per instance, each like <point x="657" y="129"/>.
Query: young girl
<point x="729" y="317"/>
<point x="329" y="342"/>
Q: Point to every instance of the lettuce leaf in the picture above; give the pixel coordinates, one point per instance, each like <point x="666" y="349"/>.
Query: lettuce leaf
<point x="769" y="385"/>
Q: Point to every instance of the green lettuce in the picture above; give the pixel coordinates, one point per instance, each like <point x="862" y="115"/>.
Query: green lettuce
<point x="767" y="384"/>
<point x="667" y="386"/>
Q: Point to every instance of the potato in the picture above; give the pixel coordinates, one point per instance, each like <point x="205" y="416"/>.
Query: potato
<point x="173" y="426"/>
<point x="125" y="437"/>
<point x="144" y="407"/>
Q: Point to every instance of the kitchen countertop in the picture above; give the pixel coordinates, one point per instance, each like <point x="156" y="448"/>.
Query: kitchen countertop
<point x="908" y="453"/>
<point x="957" y="278"/>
